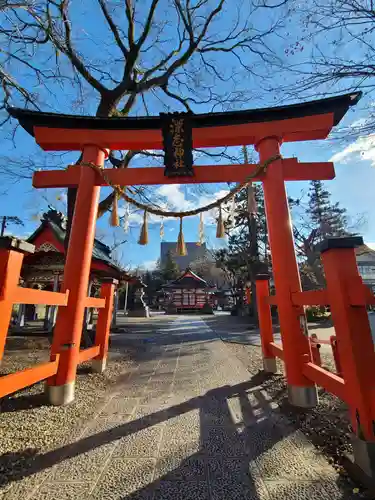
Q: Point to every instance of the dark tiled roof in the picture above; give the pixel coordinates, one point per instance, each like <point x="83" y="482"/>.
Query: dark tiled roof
<point x="337" y="105"/>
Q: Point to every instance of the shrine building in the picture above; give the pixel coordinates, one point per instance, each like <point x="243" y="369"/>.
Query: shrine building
<point x="189" y="293"/>
<point x="44" y="268"/>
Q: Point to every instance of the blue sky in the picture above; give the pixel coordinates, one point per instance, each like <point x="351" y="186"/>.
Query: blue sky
<point x="354" y="159"/>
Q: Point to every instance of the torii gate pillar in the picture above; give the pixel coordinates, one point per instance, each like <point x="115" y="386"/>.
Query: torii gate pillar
<point x="302" y="392"/>
<point x="67" y="335"/>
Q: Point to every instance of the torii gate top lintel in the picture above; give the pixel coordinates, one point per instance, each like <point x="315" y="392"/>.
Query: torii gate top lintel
<point x="295" y="122"/>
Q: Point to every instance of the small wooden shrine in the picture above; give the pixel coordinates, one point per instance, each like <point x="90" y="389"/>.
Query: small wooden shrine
<point x="189" y="292"/>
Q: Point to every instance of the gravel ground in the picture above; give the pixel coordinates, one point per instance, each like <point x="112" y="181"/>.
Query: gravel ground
<point x="29" y="425"/>
<point x="327" y="426"/>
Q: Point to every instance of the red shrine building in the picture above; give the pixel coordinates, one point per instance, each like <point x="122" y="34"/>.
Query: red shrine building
<point x="47" y="262"/>
<point x="45" y="267"/>
<point x="189" y="292"/>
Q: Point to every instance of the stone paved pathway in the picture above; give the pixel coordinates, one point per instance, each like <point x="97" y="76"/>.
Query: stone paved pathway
<point x="186" y="423"/>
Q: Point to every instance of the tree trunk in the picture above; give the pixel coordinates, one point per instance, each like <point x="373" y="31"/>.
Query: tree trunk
<point x="105" y="108"/>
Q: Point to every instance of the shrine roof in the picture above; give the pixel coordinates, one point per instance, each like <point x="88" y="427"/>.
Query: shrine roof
<point x="364" y="250"/>
<point x="188" y="280"/>
<point x="100" y="251"/>
<point x="337" y="105"/>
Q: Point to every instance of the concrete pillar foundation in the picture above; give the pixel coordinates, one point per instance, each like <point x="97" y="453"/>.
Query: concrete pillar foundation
<point x="364" y="455"/>
<point x="98" y="365"/>
<point x="304" y="397"/>
<point x="270" y="365"/>
<point x="59" y="395"/>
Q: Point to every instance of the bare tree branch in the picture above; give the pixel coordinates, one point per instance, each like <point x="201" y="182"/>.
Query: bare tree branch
<point x="68" y="48"/>
<point x="113" y="28"/>
<point x="168" y="51"/>
<point x="130" y="17"/>
<point x="183" y="101"/>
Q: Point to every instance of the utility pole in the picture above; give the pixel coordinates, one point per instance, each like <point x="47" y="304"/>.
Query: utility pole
<point x="3" y="225"/>
<point x="126" y="298"/>
<point x="13" y="219"/>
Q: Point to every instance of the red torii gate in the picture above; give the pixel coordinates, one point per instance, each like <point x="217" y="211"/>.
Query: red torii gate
<point x="267" y="129"/>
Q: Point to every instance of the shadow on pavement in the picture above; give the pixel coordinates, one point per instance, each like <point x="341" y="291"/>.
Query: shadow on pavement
<point x="225" y="451"/>
<point x="22" y="402"/>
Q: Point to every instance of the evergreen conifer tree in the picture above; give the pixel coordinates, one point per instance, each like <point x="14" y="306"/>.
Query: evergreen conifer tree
<point x="247" y="252"/>
<point x="327" y="218"/>
<point x="320" y="219"/>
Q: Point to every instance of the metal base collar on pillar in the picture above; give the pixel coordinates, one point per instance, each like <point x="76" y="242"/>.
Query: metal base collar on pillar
<point x="98" y="365"/>
<point x="364" y="455"/>
<point x="270" y="365"/>
<point x="304" y="397"/>
<point x="59" y="395"/>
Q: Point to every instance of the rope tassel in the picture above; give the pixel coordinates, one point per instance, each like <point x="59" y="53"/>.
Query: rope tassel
<point x="181" y="247"/>
<point x="114" y="219"/>
<point x="126" y="218"/>
<point x="143" y="237"/>
<point x="201" y="230"/>
<point x="252" y="206"/>
<point x="232" y="213"/>
<point x="220" y="230"/>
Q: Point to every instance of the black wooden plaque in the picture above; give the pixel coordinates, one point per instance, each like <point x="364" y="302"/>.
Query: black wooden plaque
<point x="178" y="144"/>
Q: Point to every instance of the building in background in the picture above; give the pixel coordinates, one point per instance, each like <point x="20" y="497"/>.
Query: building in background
<point x="366" y="265"/>
<point x="194" y="252"/>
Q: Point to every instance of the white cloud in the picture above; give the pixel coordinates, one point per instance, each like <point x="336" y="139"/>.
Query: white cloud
<point x="136" y="218"/>
<point x="175" y="198"/>
<point x="21" y="235"/>
<point x="370" y="244"/>
<point x="363" y="148"/>
<point x="210" y="216"/>
<point x="148" y="265"/>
